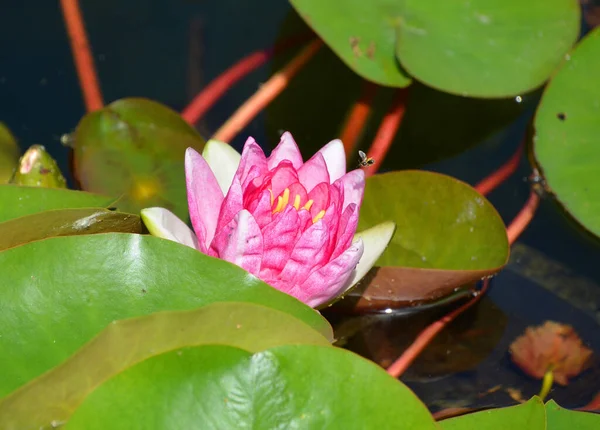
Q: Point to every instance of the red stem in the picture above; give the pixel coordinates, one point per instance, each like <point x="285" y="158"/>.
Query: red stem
<point x="222" y="83"/>
<point x="514" y="230"/>
<point x="358" y="117"/>
<point x="82" y="55"/>
<point x="386" y="132"/>
<point x="492" y="181"/>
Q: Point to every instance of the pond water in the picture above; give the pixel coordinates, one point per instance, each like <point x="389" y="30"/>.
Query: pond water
<point x="167" y="50"/>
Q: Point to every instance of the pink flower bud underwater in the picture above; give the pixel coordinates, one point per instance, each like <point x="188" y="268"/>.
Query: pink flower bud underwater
<point x="287" y="222"/>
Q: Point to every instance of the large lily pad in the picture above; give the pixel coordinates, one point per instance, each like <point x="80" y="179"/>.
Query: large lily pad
<point x="17" y="201"/>
<point x="530" y="416"/>
<point x="9" y="154"/>
<point x="363" y="36"/>
<point x="485" y="48"/>
<point x="561" y="418"/>
<point x="66" y="222"/>
<point x="447" y="235"/>
<point x="567" y="134"/>
<point x="58" y="293"/>
<point x="56" y="394"/>
<point x="134" y="149"/>
<point x="299" y="386"/>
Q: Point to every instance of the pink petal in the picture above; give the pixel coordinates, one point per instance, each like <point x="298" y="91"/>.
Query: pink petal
<point x="285" y="150"/>
<point x="313" y="172"/>
<point x="335" y="158"/>
<point x="352" y="184"/>
<point x="261" y="209"/>
<point x="232" y="204"/>
<point x="307" y="254"/>
<point x="330" y="280"/>
<point x="346" y="229"/>
<point x="279" y="238"/>
<point x="284" y="175"/>
<point x="240" y="242"/>
<point x="296" y="189"/>
<point x="253" y="161"/>
<point x="204" y="197"/>
<point x="320" y="197"/>
<point x="305" y="221"/>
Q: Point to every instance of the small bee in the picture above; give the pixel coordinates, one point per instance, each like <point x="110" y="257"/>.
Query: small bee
<point x="364" y="161"/>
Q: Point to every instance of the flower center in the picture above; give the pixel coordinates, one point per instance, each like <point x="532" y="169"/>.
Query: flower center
<point x="284" y="199"/>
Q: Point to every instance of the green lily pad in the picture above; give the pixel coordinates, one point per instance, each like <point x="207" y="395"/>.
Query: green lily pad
<point x="485" y="48"/>
<point x="292" y="386"/>
<point x="447" y="234"/>
<point x="567" y="130"/>
<point x="363" y="36"/>
<point x="530" y="416"/>
<point x="134" y="149"/>
<point x="9" y="154"/>
<point x="60" y="292"/>
<point x="56" y="394"/>
<point x="17" y="201"/>
<point x="37" y="168"/>
<point x="66" y="222"/>
<point x="560" y="418"/>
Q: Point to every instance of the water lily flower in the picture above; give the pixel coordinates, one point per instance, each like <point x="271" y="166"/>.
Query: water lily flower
<point x="288" y="222"/>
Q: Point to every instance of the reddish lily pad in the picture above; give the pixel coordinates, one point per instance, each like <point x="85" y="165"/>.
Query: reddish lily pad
<point x="9" y="154"/>
<point x="133" y="149"/>
<point x="551" y="347"/>
<point x="290" y="386"/>
<point x="567" y="134"/>
<point x="17" y="201"/>
<point x="56" y="394"/>
<point x="66" y="222"/>
<point x="447" y="235"/>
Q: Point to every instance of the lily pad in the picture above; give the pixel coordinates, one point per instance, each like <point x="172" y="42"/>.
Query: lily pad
<point x="567" y="130"/>
<point x="292" y="386"/>
<point x="530" y="416"/>
<point x="56" y="394"/>
<point x="65" y="222"/>
<point x="17" y="201"/>
<point x="447" y="234"/>
<point x="485" y="48"/>
<point x="561" y="418"/>
<point x="134" y="149"/>
<point x="58" y="293"/>
<point x="9" y="154"/>
<point x="363" y="36"/>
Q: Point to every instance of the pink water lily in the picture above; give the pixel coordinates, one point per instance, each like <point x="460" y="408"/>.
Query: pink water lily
<point x="290" y="223"/>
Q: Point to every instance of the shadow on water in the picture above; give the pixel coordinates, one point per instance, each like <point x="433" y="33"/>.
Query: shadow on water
<point x="142" y="48"/>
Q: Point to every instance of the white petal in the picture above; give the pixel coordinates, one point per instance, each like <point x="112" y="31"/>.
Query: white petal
<point x="223" y="161"/>
<point x="163" y="223"/>
<point x="376" y="239"/>
<point x="335" y="158"/>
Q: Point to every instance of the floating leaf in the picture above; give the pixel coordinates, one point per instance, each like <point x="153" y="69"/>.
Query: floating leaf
<point x="551" y="347"/>
<point x="299" y="386"/>
<point x="17" y="201"/>
<point x="58" y="293"/>
<point x="56" y="394"/>
<point x="530" y="416"/>
<point x="485" y="48"/>
<point x="566" y="144"/>
<point x="65" y="222"/>
<point x="561" y="418"/>
<point x="9" y="154"/>
<point x="37" y="168"/>
<point x="363" y="36"/>
<point x="134" y="149"/>
<point x="447" y="234"/>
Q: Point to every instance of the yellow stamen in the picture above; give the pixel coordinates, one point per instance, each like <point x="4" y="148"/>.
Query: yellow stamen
<point x="308" y="205"/>
<point x="282" y="201"/>
<point x="279" y="205"/>
<point x="319" y="216"/>
<point x="297" y="201"/>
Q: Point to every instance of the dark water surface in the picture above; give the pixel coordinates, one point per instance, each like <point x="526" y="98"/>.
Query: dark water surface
<point x="142" y="48"/>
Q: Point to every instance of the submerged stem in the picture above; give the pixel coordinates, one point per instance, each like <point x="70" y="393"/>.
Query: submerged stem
<point x="546" y="384"/>
<point x="82" y="55"/>
<point x="266" y="93"/>
<point x="357" y="118"/>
